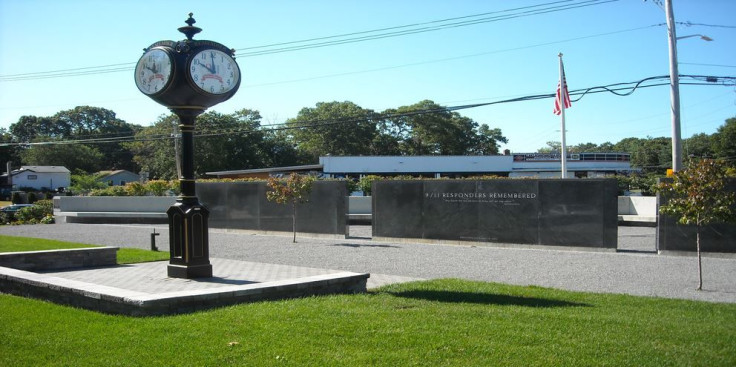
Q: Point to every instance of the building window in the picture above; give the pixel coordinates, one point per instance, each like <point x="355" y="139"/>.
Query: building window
<point x="32" y="177"/>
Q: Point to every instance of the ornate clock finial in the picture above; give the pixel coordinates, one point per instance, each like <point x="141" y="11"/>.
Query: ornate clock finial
<point x="190" y="30"/>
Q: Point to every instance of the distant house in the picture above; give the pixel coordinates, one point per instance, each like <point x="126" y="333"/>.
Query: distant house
<point x="118" y="177"/>
<point x="40" y="177"/>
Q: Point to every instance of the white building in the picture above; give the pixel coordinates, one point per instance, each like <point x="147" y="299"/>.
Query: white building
<point x="118" y="177"/>
<point x="540" y="165"/>
<point x="41" y="177"/>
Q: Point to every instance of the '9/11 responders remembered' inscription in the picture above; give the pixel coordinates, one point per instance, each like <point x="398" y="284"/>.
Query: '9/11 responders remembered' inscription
<point x="539" y="212"/>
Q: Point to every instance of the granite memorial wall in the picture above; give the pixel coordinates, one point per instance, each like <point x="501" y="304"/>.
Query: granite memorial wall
<point x="537" y="212"/>
<point x="243" y="205"/>
<point x="672" y="236"/>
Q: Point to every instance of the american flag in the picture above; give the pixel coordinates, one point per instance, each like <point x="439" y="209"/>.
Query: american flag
<point x="558" y="102"/>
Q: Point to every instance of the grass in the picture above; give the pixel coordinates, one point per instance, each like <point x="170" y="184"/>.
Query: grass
<point x="447" y="322"/>
<point x="442" y="322"/>
<point x="125" y="255"/>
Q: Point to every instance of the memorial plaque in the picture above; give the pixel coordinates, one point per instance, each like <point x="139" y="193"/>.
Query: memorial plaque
<point x="450" y="210"/>
<point x="539" y="212"/>
<point x="509" y="211"/>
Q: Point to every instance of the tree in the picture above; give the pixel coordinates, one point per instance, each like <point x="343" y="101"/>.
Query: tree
<point x="650" y="154"/>
<point x="81" y="123"/>
<point x="552" y="147"/>
<point x="72" y="156"/>
<point x="293" y="190"/>
<point x="333" y="128"/>
<point x="487" y="140"/>
<point x="153" y="148"/>
<point x="8" y="153"/>
<point x="698" y="146"/>
<point x="697" y="196"/>
<point x="221" y="142"/>
<point x="426" y="128"/>
<point x="84" y="183"/>
<point x="583" y="148"/>
<point x="724" y="142"/>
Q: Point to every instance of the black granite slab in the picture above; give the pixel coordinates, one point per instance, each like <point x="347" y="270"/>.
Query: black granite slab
<point x="673" y="236"/>
<point x="243" y="205"/>
<point x="538" y="212"/>
<point x="397" y="208"/>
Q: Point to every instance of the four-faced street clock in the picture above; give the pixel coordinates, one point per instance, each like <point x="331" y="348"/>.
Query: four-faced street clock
<point x="190" y="74"/>
<point x="188" y="77"/>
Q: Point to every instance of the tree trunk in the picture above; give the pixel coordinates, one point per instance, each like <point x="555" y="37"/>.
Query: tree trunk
<point x="700" y="266"/>
<point x="293" y="220"/>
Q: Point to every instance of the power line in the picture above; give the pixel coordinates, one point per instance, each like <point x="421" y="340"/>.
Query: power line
<point x="611" y="88"/>
<point x="419" y="28"/>
<point x="340" y="39"/>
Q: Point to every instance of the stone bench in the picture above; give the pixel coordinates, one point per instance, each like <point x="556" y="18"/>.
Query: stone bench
<point x="113" y="217"/>
<point x="637" y="220"/>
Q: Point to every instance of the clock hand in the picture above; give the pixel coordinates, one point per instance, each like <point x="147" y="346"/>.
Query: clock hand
<point x="212" y="57"/>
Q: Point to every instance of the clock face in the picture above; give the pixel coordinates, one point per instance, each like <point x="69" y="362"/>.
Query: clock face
<point x="214" y="71"/>
<point x="153" y="71"/>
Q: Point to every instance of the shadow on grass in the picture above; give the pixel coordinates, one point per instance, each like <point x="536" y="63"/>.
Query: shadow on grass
<point x="486" y="299"/>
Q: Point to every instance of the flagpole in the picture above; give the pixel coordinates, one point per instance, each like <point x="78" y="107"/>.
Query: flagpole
<point x="563" y="92"/>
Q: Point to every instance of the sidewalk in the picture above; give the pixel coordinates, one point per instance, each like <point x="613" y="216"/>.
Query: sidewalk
<point x="636" y="271"/>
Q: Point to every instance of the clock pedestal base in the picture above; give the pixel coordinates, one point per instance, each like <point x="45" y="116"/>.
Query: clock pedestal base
<point x="188" y="241"/>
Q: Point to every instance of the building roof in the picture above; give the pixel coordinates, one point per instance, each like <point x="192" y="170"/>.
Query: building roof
<point x="43" y="169"/>
<point x="469" y="164"/>
<point x="105" y="174"/>
<point x="308" y="167"/>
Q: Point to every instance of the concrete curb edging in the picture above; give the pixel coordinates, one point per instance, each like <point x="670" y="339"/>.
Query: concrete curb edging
<point x="120" y="301"/>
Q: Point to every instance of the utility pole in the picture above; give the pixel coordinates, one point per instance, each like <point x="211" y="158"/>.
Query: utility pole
<point x="674" y="88"/>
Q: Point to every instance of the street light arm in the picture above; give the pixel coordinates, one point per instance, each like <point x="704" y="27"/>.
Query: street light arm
<point x="702" y="37"/>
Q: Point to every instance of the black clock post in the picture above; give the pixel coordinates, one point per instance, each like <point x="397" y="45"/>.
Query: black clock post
<point x="188" y="77"/>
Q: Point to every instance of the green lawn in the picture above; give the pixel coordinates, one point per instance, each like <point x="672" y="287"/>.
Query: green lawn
<point x="125" y="255"/>
<point x="446" y="322"/>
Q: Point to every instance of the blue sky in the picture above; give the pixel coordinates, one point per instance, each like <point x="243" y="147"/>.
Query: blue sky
<point x="605" y="43"/>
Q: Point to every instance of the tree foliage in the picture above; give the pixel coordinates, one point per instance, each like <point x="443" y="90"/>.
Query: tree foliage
<point x="293" y="190"/>
<point x="724" y="142"/>
<point x="221" y="142"/>
<point x="426" y="128"/>
<point x="333" y="128"/>
<point x="79" y="123"/>
<point x="698" y="196"/>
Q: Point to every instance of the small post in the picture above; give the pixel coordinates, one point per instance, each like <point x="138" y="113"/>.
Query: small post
<point x="153" y="240"/>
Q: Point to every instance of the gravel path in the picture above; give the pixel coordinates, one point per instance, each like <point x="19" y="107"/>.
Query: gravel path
<point x="634" y="270"/>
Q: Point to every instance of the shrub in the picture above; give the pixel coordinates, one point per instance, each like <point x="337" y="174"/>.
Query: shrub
<point x="32" y="197"/>
<point x="135" y="189"/>
<point x="109" y="191"/>
<point x="37" y="213"/>
<point x="158" y="187"/>
<point x="175" y="186"/>
<point x="366" y="181"/>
